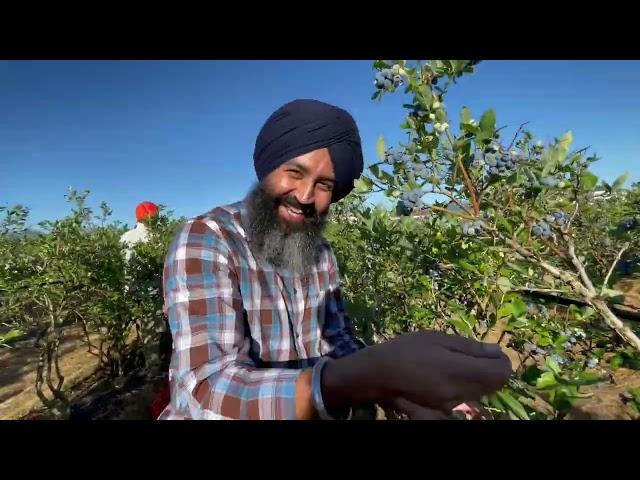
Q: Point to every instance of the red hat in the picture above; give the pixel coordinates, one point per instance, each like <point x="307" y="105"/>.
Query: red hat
<point x="146" y="209"/>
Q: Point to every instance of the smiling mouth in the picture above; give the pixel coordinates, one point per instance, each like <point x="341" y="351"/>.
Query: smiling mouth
<point x="293" y="210"/>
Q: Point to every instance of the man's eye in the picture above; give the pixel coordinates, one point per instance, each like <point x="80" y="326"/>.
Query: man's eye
<point x="326" y="186"/>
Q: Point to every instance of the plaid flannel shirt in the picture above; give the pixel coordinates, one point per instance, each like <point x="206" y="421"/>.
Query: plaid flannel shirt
<point x="243" y="330"/>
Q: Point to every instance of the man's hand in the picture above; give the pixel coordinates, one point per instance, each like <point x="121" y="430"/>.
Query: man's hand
<point x="430" y="369"/>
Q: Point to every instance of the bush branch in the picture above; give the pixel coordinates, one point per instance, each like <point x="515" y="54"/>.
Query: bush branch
<point x="613" y="265"/>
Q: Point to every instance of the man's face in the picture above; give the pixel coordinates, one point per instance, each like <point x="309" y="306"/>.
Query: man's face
<point x="302" y="188"/>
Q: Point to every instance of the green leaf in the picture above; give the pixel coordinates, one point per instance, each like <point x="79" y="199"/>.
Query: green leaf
<point x="461" y="325"/>
<point x="619" y="182"/>
<point x="465" y="116"/>
<point x="381" y="148"/>
<point x="425" y="96"/>
<point x="586" y="378"/>
<point x="495" y="402"/>
<point x="376" y="95"/>
<point x="504" y="223"/>
<point x="363" y="185"/>
<point x="467" y="266"/>
<point x="616" y="361"/>
<point x="519" y="307"/>
<point x="10" y="336"/>
<point x="514" y="405"/>
<point x="504" y="284"/>
<point x="506" y="310"/>
<point x="546" y="380"/>
<point x="635" y="392"/>
<point x="552" y="365"/>
<point x="518" y="323"/>
<point x="564" y="144"/>
<point x="588" y="180"/>
<point x="587" y="312"/>
<point x="544" y="341"/>
<point x="488" y="123"/>
<point x="387" y="178"/>
<point x="381" y="64"/>
<point x="549" y="166"/>
<point x="615" y="295"/>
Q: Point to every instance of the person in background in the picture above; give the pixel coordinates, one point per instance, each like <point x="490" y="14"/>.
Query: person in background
<point x="140" y="233"/>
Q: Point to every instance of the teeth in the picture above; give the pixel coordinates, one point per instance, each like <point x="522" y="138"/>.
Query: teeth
<point x="298" y="212"/>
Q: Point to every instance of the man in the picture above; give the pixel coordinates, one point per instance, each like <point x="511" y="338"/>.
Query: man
<point x="140" y="233"/>
<point x="253" y="297"/>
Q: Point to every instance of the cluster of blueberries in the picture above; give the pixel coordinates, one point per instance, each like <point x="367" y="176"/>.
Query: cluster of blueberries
<point x="386" y="78"/>
<point x="540" y="310"/>
<point x="543" y="228"/>
<point x="419" y="170"/>
<point x="392" y="157"/>
<point x="412" y="199"/>
<point x="496" y="161"/>
<point x="471" y="228"/>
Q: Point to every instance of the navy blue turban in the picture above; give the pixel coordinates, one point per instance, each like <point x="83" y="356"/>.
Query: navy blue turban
<point x="303" y="126"/>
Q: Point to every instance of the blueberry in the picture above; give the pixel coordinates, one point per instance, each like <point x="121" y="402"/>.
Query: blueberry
<point x="536" y="230"/>
<point x="549" y="182"/>
<point x="592" y="362"/>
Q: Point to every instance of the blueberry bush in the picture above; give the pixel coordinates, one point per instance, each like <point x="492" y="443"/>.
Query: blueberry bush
<point x="72" y="272"/>
<point x="487" y="236"/>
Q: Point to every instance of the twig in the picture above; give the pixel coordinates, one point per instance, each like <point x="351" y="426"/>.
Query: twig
<point x="613" y="265"/>
<point x="465" y="175"/>
<point x="575" y="212"/>
<point x="555" y="249"/>
<point x="516" y="135"/>
<point x="578" y="265"/>
<point x="537" y="290"/>
<point x="453" y="199"/>
<point x="455" y="214"/>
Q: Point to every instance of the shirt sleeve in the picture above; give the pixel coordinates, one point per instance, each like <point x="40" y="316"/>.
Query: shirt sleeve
<point x="212" y="375"/>
<point x="339" y="330"/>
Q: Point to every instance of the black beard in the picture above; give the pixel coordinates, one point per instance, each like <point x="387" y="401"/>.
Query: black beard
<point x="293" y="247"/>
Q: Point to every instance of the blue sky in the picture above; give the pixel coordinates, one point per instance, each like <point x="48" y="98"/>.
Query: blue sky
<point x="181" y="133"/>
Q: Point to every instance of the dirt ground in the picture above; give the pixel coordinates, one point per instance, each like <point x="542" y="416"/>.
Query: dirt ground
<point x="18" y="372"/>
